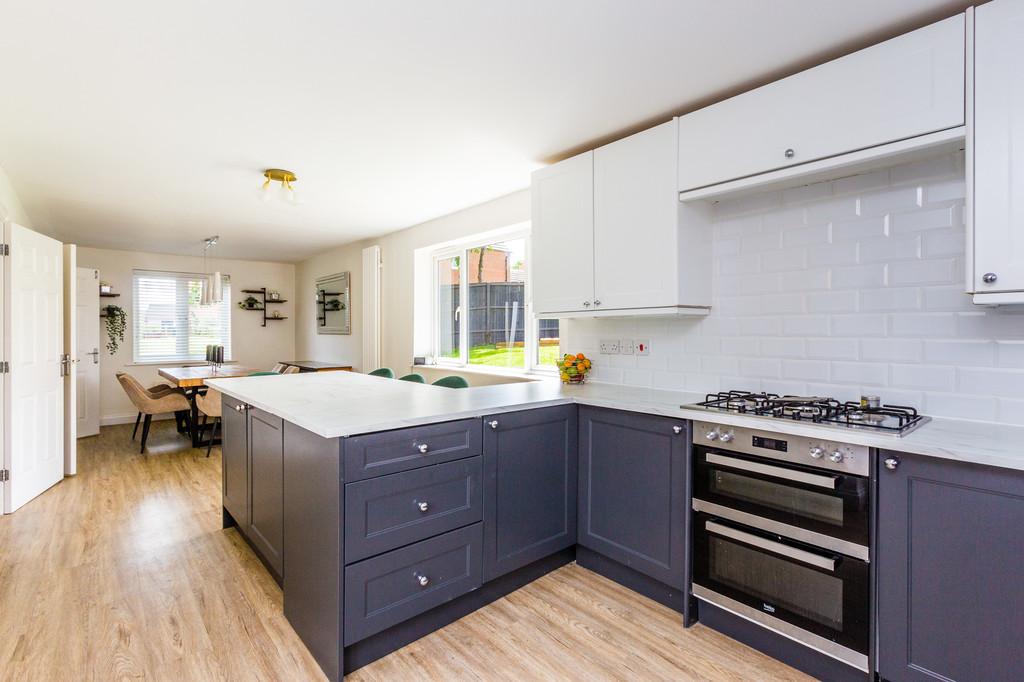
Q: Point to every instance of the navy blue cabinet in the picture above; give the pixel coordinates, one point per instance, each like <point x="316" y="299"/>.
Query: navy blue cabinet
<point x="530" y="465"/>
<point x="266" y="496"/>
<point x="950" y="586"/>
<point x="235" y="460"/>
<point x="632" y="491"/>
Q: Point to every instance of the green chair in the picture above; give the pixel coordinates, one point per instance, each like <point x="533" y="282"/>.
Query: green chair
<point x="383" y="372"/>
<point x="262" y="374"/>
<point x="414" y="378"/>
<point x="452" y="381"/>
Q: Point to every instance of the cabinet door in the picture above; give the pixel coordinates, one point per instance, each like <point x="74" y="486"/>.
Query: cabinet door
<point x="632" y="494"/>
<point x="902" y="88"/>
<point x="562" y="235"/>
<point x="235" y="461"/>
<point x="266" y="508"/>
<point x="998" y="147"/>
<point x="530" y="464"/>
<point x="635" y="221"/>
<point x="950" y="593"/>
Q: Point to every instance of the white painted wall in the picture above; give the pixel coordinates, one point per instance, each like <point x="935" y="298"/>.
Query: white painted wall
<point x="398" y="300"/>
<point x="253" y="345"/>
<point x="838" y="288"/>
<point x="10" y="205"/>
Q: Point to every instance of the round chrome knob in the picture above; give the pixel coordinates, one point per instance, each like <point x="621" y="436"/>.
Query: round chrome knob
<point x="989" y="278"/>
<point x="891" y="463"/>
<point x="725" y="437"/>
<point x="789" y="153"/>
<point x="711" y="435"/>
<point x="493" y="423"/>
<point x="597" y="302"/>
<point x="586" y="304"/>
<point x="423" y="448"/>
<point x="423" y="506"/>
<point x="677" y="429"/>
<point x="422" y="580"/>
<point x="817" y="453"/>
<point x="836" y="457"/>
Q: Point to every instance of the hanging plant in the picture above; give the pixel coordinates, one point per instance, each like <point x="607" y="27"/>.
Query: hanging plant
<point x="117" y="321"/>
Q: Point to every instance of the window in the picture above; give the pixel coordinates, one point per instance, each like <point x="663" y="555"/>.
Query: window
<point x="168" y="323"/>
<point x="481" y="308"/>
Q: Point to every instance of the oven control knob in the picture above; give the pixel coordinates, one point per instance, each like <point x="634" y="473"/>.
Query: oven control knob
<point x="711" y="435"/>
<point x="817" y="453"/>
<point x="836" y="456"/>
<point x="725" y="437"/>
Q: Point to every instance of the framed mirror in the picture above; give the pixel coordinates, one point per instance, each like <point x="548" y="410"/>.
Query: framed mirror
<point x="333" y="309"/>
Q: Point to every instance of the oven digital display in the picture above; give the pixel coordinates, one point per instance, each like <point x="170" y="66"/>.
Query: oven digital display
<point x="770" y="443"/>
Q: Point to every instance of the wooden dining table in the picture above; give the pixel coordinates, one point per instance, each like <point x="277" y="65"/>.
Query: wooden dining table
<point x="192" y="380"/>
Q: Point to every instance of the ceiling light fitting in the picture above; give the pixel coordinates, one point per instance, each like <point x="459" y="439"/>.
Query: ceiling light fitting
<point x="211" y="289"/>
<point x="285" y="193"/>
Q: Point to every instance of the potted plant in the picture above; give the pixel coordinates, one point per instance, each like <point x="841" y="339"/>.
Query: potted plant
<point x="116" y="322"/>
<point x="250" y="303"/>
<point x="573" y="368"/>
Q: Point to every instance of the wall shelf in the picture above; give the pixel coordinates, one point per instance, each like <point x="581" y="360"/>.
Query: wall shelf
<point x="264" y="302"/>
<point x="109" y="295"/>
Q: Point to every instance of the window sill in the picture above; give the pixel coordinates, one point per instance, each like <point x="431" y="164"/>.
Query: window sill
<point x="528" y="375"/>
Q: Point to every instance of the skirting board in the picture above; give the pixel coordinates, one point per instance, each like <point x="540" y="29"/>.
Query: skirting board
<point x="115" y="419"/>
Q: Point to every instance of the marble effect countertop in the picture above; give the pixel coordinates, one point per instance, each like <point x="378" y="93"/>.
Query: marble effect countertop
<point x="339" y="404"/>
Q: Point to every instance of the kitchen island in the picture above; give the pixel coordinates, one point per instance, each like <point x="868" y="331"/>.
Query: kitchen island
<point x="387" y="509"/>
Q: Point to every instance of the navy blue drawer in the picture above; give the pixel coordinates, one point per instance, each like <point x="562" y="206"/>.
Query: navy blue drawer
<point x="389" y="452"/>
<point x="392" y="511"/>
<point x="393" y="587"/>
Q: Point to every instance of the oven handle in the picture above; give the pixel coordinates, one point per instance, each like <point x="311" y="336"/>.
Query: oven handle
<point x="818" y="480"/>
<point x="828" y="563"/>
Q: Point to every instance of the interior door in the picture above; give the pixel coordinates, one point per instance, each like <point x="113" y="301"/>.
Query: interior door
<point x="35" y="345"/>
<point x="87" y="368"/>
<point x="70" y="313"/>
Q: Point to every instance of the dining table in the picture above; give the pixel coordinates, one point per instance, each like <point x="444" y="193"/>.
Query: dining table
<point x="192" y="380"/>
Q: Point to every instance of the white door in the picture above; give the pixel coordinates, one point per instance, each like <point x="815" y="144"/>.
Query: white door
<point x="998" y="148"/>
<point x="34" y="346"/>
<point x="635" y="221"/>
<point x="562" y="236"/>
<point x="71" y="354"/>
<point x="87" y="369"/>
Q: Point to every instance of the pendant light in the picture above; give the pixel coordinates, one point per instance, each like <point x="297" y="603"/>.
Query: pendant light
<point x="211" y="286"/>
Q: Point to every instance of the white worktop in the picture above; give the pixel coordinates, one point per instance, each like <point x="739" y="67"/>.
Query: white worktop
<point x="337" y="404"/>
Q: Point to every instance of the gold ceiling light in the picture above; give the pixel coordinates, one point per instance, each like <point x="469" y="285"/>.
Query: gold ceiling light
<point x="285" y="193"/>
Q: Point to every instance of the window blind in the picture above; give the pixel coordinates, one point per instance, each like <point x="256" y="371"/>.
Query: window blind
<point x="168" y="323"/>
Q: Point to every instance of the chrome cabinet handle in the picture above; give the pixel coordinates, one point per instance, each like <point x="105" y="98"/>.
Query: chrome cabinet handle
<point x="989" y="278"/>
<point x="423" y="506"/>
<point x="422" y="580"/>
<point x="677" y="429"/>
<point x="423" y="448"/>
<point x="586" y="304"/>
<point x="493" y="423"/>
<point x="597" y="302"/>
<point x="789" y="153"/>
<point x="891" y="463"/>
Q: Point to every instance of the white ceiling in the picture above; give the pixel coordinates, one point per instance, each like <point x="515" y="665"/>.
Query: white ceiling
<point x="146" y="126"/>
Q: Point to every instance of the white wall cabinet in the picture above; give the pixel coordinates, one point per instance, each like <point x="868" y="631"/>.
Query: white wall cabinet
<point x="633" y="249"/>
<point x="906" y="87"/>
<point x="995" y="269"/>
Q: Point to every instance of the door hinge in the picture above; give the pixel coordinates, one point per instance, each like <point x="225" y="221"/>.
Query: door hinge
<point x="5" y="367"/>
<point x="5" y="475"/>
<point x="5" y="250"/>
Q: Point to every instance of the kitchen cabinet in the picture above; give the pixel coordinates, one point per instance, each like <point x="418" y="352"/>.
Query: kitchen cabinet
<point x="530" y="471"/>
<point x="632" y="491"/>
<point x="903" y="88"/>
<point x="995" y="177"/>
<point x="609" y="236"/>
<point x="235" y="460"/>
<point x="266" y="499"/>
<point x="950" y="593"/>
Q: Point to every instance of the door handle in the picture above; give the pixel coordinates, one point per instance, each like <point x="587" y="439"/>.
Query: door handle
<point x="95" y="353"/>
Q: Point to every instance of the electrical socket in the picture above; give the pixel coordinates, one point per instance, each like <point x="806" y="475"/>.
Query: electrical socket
<point x="643" y="347"/>
<point x="609" y="346"/>
<point x="626" y="347"/>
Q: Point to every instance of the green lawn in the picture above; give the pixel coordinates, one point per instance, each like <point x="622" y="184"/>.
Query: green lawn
<point x="492" y="356"/>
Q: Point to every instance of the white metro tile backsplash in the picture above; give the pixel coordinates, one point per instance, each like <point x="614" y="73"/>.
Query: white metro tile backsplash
<point x="844" y="287"/>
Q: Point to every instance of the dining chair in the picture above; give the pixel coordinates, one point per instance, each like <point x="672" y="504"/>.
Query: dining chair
<point x="209" y="405"/>
<point x="279" y="368"/>
<point x="452" y="381"/>
<point x="262" y="374"/>
<point x="150" y="404"/>
<point x="158" y="391"/>
<point x="382" y="372"/>
<point x="414" y="378"/>
<point x="291" y="369"/>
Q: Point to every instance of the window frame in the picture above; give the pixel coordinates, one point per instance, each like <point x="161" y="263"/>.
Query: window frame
<point x="461" y="250"/>
<point x="182" y="340"/>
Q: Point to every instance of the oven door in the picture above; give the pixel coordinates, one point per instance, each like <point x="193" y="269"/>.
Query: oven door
<point x="817" y="597"/>
<point x="821" y="507"/>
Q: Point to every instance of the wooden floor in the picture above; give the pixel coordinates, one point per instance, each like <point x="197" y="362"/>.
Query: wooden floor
<point x="123" y="572"/>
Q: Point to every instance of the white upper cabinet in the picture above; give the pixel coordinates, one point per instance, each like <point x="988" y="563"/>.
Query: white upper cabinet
<point x="562" y="235"/>
<point x="909" y="86"/>
<point x="633" y="249"/>
<point x="996" y="272"/>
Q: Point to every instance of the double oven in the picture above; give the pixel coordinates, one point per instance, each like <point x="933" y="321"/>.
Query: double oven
<point x="782" y="528"/>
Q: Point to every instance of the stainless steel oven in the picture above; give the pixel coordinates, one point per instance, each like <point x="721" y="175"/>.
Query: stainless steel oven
<point x="782" y="535"/>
